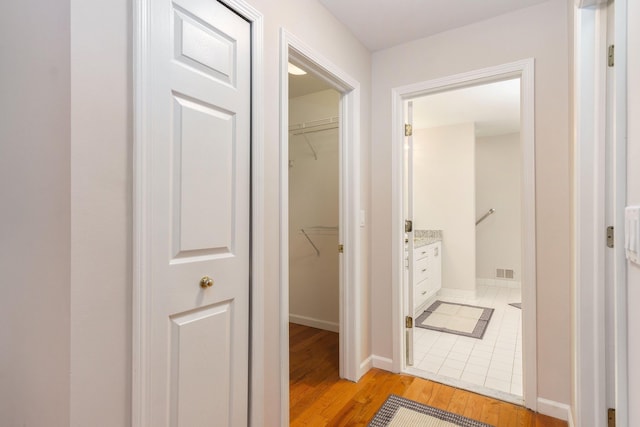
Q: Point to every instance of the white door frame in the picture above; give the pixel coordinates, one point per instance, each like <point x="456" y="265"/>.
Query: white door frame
<point x="142" y="192"/>
<point x="590" y="118"/>
<point x="294" y="50"/>
<point x="525" y="70"/>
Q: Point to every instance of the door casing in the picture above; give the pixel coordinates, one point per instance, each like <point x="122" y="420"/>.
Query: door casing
<point x="590" y="196"/>
<point x="294" y="50"/>
<point x="525" y="70"/>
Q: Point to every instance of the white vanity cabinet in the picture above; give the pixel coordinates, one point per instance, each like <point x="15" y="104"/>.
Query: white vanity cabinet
<point x="427" y="274"/>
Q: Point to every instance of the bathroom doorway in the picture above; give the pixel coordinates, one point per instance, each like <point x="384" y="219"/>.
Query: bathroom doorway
<point x="465" y="163"/>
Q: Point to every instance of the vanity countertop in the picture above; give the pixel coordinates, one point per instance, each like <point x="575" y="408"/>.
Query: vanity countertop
<point x="426" y="237"/>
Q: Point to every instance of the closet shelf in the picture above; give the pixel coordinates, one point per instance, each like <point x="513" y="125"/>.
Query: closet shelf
<point x="314" y="126"/>
<point x="321" y="230"/>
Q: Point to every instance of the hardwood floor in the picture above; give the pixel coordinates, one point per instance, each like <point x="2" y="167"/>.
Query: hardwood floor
<point x="318" y="397"/>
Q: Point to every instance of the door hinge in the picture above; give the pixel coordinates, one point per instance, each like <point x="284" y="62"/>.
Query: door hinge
<point x="340" y="249"/>
<point x="408" y="129"/>
<point x="408" y="226"/>
<point x="408" y="322"/>
<point x="611" y="417"/>
<point x="611" y="55"/>
<point x="610" y="236"/>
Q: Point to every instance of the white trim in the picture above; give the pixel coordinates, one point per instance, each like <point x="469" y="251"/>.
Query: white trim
<point x="382" y="363"/>
<point x="558" y="410"/>
<point x="499" y="283"/>
<point x="619" y="202"/>
<point x="366" y="365"/>
<point x="589" y="213"/>
<point x="294" y="50"/>
<point x="314" y="323"/>
<point x="524" y="69"/>
<point x="457" y="294"/>
<point x="529" y="262"/>
<point x="141" y="194"/>
<point x="139" y="378"/>
<point x="570" y="421"/>
<point x="589" y="3"/>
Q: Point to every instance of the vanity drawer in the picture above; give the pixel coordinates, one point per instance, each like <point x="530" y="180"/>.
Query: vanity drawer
<point x="421" y="252"/>
<point x="421" y="292"/>
<point x="421" y="270"/>
<point x="427" y="273"/>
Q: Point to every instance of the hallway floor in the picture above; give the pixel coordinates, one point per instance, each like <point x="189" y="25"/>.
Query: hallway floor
<point x="492" y="365"/>
<point x="318" y="397"/>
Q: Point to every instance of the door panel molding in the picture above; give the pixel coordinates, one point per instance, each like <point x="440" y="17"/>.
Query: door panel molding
<point x="294" y="50"/>
<point x="525" y="70"/>
<point x="141" y="291"/>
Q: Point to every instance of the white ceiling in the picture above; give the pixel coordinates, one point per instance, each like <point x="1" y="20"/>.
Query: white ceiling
<point x="493" y="107"/>
<point x="305" y="84"/>
<point x="380" y="24"/>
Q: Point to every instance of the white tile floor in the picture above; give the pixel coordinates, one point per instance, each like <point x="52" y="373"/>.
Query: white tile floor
<point x="494" y="362"/>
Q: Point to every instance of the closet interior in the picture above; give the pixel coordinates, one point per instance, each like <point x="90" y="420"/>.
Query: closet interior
<point x="313" y="203"/>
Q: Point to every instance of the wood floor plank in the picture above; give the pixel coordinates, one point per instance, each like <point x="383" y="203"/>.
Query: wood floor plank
<point x="441" y="396"/>
<point x="458" y="401"/>
<point x="318" y="397"/>
<point x="491" y="412"/>
<point x="420" y="390"/>
<point x="475" y="405"/>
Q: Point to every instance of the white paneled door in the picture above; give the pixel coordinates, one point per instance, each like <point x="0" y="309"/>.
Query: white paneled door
<point x="197" y="358"/>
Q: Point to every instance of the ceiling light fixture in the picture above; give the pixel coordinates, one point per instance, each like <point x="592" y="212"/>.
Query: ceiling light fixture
<point x="295" y="70"/>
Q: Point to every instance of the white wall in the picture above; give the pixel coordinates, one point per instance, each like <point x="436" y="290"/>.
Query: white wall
<point x="444" y="198"/>
<point x="314" y="298"/>
<point x="101" y="168"/>
<point x="633" y="198"/>
<point x="314" y="25"/>
<point x="34" y="213"/>
<point x="499" y="186"/>
<point x="102" y="193"/>
<point x="540" y="32"/>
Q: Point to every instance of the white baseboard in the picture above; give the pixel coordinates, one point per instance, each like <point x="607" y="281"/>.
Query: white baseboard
<point x="570" y="420"/>
<point x="314" y="323"/>
<point x="553" y="409"/>
<point x="457" y="294"/>
<point x="499" y="283"/>
<point x="382" y="363"/>
<point x="365" y="366"/>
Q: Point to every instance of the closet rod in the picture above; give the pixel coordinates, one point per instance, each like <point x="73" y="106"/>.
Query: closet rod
<point x="314" y="126"/>
<point x="321" y="228"/>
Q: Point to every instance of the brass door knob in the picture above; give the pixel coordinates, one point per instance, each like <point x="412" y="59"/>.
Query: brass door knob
<point x="206" y="282"/>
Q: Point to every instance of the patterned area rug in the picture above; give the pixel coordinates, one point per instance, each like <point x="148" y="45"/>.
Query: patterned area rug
<point x="453" y="318"/>
<point x="400" y="412"/>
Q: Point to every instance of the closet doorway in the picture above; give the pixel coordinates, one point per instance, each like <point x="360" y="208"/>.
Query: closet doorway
<point x="314" y="187"/>
<point x="314" y="218"/>
<point x="320" y="216"/>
